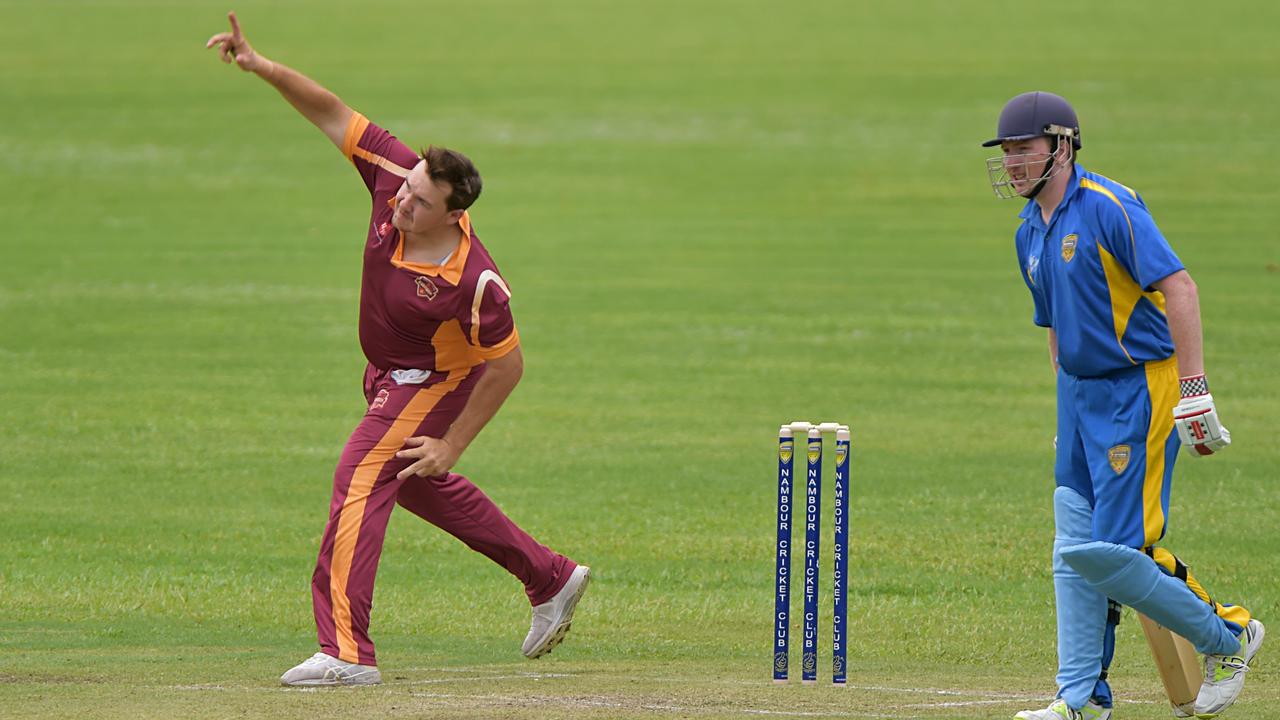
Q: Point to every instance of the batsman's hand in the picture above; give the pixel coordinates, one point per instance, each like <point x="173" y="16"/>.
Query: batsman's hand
<point x="435" y="456"/>
<point x="1196" y="419"/>
<point x="233" y="46"/>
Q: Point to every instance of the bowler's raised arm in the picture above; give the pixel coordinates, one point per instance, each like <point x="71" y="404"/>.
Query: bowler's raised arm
<point x="324" y="109"/>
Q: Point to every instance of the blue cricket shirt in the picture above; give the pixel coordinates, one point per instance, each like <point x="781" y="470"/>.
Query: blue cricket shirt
<point x="1091" y="270"/>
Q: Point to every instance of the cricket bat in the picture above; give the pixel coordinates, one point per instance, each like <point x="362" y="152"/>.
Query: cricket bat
<point x="1175" y="657"/>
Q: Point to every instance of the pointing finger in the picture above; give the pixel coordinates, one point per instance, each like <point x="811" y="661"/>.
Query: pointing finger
<point x="235" y="24"/>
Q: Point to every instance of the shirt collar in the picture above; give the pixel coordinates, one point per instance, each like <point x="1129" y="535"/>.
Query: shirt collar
<point x="1073" y="185"/>
<point x="1031" y="211"/>
<point x="451" y="270"/>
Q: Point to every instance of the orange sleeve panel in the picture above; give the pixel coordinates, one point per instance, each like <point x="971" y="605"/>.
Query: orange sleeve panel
<point x="355" y="131"/>
<point x="502" y="348"/>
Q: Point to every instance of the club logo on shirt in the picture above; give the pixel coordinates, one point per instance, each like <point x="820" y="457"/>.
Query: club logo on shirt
<point x="426" y="288"/>
<point x="383" y="230"/>
<point x="1118" y="456"/>
<point x="380" y="400"/>
<point x="1069" y="247"/>
<point x="784" y="452"/>
<point x="1033" y="264"/>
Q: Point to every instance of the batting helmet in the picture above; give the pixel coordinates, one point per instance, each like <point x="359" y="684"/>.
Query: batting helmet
<point x="1035" y="114"/>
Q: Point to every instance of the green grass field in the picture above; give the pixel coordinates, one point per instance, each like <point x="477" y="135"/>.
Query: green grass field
<point x="715" y="216"/>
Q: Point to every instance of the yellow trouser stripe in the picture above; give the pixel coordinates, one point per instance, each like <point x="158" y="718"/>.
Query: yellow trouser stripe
<point x="1162" y="387"/>
<point x="352" y="513"/>
<point x="1175" y="567"/>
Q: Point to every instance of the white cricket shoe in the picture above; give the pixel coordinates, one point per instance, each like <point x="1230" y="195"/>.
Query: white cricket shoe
<point x="321" y="669"/>
<point x="552" y="619"/>
<point x="1224" y="674"/>
<point x="1058" y="710"/>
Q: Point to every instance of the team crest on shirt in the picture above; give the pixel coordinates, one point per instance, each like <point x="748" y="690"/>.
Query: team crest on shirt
<point x="380" y="400"/>
<point x="426" y="288"/>
<point x="784" y="451"/>
<point x="383" y="230"/>
<point x="1118" y="456"/>
<point x="1069" y="247"/>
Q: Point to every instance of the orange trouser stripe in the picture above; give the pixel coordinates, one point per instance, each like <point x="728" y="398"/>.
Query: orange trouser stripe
<point x="362" y="482"/>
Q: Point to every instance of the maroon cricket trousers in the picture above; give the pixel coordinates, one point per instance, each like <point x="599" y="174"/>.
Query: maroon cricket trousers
<point x="365" y="490"/>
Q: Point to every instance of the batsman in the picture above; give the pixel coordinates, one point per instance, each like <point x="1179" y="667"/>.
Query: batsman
<point x="1124" y="333"/>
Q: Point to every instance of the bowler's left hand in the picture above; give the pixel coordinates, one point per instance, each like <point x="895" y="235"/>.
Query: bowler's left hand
<point x="435" y="456"/>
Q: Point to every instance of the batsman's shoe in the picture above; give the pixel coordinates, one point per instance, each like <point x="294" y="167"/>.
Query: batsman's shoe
<point x="1224" y="674"/>
<point x="1058" y="710"/>
<point x="552" y="619"/>
<point x="321" y="669"/>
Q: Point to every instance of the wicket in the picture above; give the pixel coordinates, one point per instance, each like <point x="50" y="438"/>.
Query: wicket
<point x="812" y="543"/>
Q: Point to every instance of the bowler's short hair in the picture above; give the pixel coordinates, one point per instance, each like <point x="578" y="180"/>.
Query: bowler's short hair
<point x="452" y="167"/>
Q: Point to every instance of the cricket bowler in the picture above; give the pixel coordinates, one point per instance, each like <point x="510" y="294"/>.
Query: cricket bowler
<point x="1124" y="333"/>
<point x="443" y="355"/>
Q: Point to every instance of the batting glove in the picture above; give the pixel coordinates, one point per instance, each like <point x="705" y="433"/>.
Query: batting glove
<point x="1196" y="418"/>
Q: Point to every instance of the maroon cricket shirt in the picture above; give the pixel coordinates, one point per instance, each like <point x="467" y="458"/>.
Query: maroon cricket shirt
<point x="415" y="316"/>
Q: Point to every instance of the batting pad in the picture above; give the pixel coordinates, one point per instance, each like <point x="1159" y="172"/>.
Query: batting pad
<point x="1133" y="579"/>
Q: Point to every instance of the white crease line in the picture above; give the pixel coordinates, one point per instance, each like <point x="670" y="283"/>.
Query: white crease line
<point x="800" y="713"/>
<point x="1006" y="699"/>
<point x="938" y="691"/>
<point x="969" y="703"/>
<point x="876" y="688"/>
<point x="927" y="691"/>
<point x="521" y="676"/>
<point x="463" y="669"/>
<point x="996" y="698"/>
<point x="483" y="674"/>
<point x="581" y="702"/>
<point x="1001" y="699"/>
<point x="201" y="687"/>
